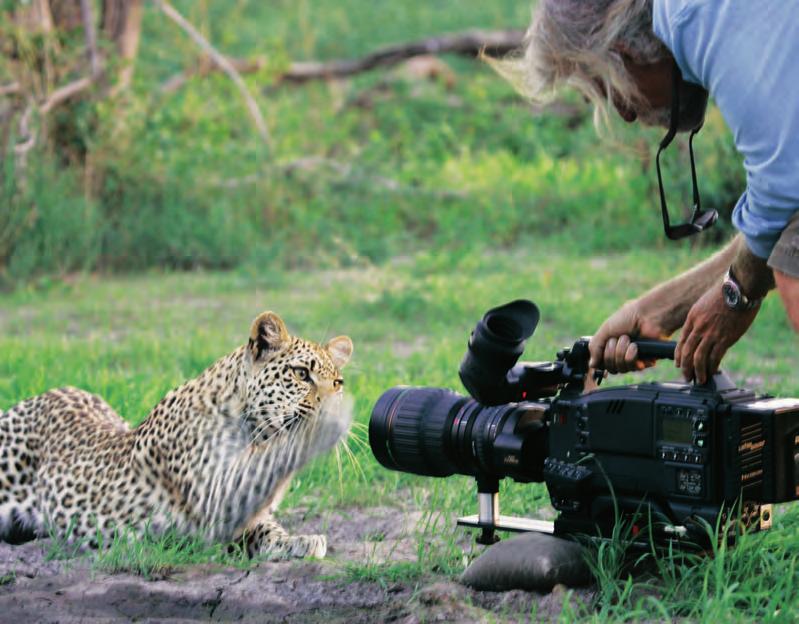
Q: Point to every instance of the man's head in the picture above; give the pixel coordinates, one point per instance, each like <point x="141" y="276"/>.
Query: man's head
<point x="604" y="48"/>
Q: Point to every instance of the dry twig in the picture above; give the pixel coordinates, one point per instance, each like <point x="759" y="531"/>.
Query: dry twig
<point x="27" y="135"/>
<point x="223" y="63"/>
<point x="62" y="94"/>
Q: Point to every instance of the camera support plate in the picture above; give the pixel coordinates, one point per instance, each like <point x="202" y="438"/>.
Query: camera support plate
<point x="509" y="523"/>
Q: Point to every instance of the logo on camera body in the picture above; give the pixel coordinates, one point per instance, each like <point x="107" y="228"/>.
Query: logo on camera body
<point x="754" y="474"/>
<point x="751" y="447"/>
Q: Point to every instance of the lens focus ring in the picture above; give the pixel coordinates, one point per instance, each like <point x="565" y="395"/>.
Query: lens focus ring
<point x="407" y="429"/>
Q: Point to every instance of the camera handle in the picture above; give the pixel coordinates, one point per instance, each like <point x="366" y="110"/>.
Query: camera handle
<point x="655" y="349"/>
<point x="647" y="350"/>
<point x="569" y="371"/>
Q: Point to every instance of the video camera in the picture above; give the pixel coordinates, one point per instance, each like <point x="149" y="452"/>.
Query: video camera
<point x="672" y="458"/>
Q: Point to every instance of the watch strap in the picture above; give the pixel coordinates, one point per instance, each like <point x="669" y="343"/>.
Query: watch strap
<point x="745" y="302"/>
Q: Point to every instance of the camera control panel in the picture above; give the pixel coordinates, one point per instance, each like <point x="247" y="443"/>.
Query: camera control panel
<point x="683" y="433"/>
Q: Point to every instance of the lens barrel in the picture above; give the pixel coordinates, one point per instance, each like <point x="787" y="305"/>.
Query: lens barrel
<point x="437" y="433"/>
<point x="407" y="430"/>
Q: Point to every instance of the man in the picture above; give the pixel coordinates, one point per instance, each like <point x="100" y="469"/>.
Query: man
<point x="746" y="54"/>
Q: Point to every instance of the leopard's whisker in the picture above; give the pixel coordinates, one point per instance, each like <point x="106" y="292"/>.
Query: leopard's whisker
<point x="353" y="459"/>
<point x="340" y="472"/>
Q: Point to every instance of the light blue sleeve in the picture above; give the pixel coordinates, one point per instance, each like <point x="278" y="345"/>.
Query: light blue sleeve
<point x="747" y="55"/>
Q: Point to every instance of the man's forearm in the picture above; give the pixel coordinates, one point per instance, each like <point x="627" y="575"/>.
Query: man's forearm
<point x="753" y="273"/>
<point x="668" y="304"/>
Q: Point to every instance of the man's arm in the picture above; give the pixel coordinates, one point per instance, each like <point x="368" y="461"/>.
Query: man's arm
<point x="788" y="285"/>
<point x="694" y="299"/>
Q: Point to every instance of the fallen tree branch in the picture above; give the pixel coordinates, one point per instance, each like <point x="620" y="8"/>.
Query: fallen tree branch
<point x="224" y="65"/>
<point x="468" y="43"/>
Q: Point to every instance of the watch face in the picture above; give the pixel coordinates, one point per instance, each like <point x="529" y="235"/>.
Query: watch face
<point x="732" y="297"/>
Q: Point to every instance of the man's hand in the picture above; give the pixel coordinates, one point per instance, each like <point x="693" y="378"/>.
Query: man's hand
<point x="662" y="310"/>
<point x="709" y="330"/>
<point x="611" y="346"/>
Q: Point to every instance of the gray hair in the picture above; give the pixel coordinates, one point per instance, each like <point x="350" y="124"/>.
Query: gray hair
<point x="574" y="43"/>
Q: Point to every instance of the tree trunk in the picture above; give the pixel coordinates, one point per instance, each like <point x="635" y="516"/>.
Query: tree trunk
<point x="66" y="14"/>
<point x="36" y="17"/>
<point x="121" y="24"/>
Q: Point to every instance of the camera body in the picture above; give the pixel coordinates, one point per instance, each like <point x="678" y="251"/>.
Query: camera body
<point x="677" y="452"/>
<point x="671" y="458"/>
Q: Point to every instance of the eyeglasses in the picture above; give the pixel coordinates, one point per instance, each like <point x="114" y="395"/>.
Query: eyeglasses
<point x="700" y="219"/>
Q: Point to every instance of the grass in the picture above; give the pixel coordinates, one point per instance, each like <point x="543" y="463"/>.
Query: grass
<point x="157" y="555"/>
<point x="149" y="554"/>
<point x="438" y="551"/>
<point x="130" y="339"/>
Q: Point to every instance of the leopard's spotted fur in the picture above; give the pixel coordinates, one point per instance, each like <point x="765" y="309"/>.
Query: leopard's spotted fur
<point x="213" y="457"/>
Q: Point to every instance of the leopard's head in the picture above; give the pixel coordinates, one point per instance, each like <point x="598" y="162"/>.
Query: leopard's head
<point x="289" y="380"/>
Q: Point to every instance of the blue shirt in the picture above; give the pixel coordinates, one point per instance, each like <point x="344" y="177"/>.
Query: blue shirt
<point x="746" y="54"/>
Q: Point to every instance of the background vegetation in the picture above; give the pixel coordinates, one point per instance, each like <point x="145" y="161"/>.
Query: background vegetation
<point x="393" y="207"/>
<point x="359" y="171"/>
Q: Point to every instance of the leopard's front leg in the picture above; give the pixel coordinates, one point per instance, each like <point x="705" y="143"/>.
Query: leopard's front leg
<point x="267" y="538"/>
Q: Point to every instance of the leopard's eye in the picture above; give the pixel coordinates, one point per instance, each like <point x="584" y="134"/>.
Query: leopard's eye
<point x="337" y="383"/>
<point x="302" y="373"/>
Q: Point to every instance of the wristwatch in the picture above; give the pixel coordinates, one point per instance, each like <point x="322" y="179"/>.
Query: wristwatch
<point x="734" y="297"/>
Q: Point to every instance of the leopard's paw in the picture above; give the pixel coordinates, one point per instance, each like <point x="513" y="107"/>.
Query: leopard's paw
<point x="308" y="546"/>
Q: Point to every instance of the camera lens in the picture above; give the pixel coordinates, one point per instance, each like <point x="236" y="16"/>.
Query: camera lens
<point x="436" y="432"/>
<point x="408" y="429"/>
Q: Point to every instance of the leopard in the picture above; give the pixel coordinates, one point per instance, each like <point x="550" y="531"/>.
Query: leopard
<point x="214" y="457"/>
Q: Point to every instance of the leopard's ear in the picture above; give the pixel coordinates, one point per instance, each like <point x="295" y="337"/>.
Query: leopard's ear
<point x="340" y="350"/>
<point x="268" y="336"/>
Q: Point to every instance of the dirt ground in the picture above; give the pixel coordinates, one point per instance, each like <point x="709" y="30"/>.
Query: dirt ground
<point x="35" y="590"/>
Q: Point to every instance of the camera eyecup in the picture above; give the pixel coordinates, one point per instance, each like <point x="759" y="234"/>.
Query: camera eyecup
<point x="495" y="346"/>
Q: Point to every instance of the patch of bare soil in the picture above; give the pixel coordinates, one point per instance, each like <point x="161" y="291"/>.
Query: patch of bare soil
<point x="35" y="590"/>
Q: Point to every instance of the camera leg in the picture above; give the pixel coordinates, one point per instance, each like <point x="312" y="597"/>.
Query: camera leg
<point x="487" y="536"/>
<point x="488" y="510"/>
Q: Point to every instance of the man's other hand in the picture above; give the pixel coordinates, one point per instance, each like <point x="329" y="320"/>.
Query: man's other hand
<point x="709" y="330"/>
<point x="611" y="346"/>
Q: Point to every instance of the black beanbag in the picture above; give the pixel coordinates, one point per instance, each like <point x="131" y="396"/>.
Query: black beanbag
<point x="531" y="561"/>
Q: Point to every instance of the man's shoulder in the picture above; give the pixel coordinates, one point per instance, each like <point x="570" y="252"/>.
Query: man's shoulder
<point x="672" y="13"/>
<point x="671" y="21"/>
